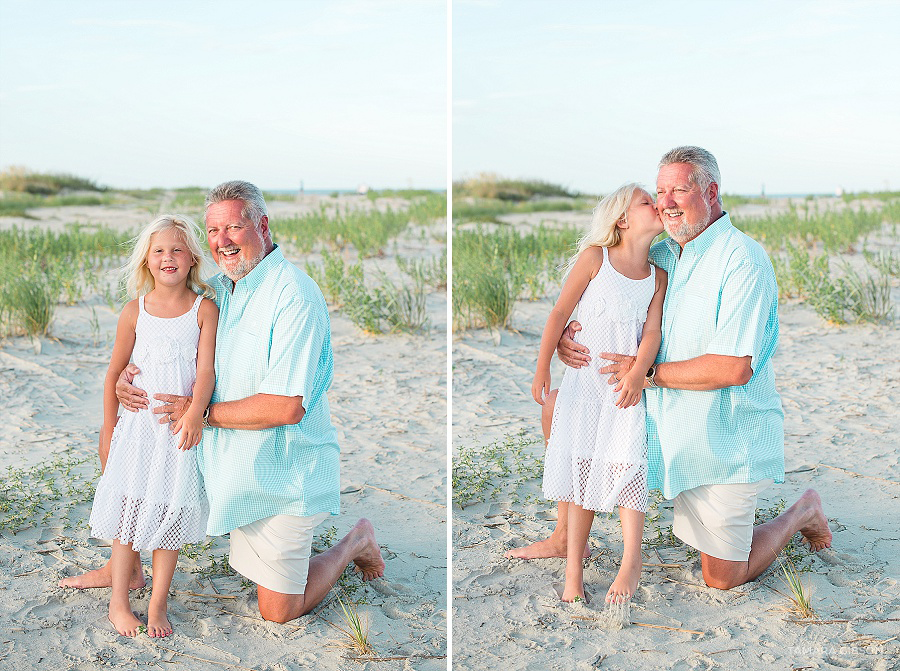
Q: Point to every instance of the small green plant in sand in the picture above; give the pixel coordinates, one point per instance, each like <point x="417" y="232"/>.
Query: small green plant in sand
<point x="46" y="493"/>
<point x="799" y="593"/>
<point x="484" y="472"/>
<point x="354" y="629"/>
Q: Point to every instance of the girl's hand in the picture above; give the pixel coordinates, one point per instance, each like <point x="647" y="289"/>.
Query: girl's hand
<point x="191" y="430"/>
<point x="631" y="387"/>
<point x="540" y="387"/>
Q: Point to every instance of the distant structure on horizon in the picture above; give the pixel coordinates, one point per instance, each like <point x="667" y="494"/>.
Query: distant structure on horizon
<point x="839" y="191"/>
<point x="362" y="189"/>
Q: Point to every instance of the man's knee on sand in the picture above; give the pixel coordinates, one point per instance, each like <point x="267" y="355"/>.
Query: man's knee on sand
<point x="280" y="608"/>
<point x="723" y="574"/>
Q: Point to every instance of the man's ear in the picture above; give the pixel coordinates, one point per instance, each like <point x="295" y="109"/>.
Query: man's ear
<point x="713" y="192"/>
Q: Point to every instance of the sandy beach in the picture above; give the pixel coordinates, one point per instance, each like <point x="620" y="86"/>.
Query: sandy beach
<point x="840" y="388"/>
<point x="388" y="404"/>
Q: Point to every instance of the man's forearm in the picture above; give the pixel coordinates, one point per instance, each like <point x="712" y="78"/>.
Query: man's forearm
<point x="704" y="373"/>
<point x="260" y="411"/>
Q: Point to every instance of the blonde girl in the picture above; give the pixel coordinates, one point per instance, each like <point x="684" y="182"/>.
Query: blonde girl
<point x="597" y="448"/>
<point x="150" y="495"/>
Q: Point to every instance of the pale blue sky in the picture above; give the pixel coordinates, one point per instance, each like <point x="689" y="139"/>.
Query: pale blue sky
<point x="141" y="94"/>
<point x="802" y="96"/>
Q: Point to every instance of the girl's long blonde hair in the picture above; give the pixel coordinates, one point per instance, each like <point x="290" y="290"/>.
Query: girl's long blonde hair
<point x="139" y="281"/>
<point x="603" y="231"/>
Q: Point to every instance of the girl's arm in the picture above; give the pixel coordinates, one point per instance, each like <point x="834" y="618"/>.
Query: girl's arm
<point x="121" y="355"/>
<point x="584" y="270"/>
<point x="191" y="423"/>
<point x="632" y="383"/>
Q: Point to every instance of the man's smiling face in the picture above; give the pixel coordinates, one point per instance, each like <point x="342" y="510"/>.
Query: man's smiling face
<point x="684" y="208"/>
<point x="235" y="243"/>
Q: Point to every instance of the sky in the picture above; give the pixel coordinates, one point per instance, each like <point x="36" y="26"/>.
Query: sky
<point x="335" y="93"/>
<point x="791" y="97"/>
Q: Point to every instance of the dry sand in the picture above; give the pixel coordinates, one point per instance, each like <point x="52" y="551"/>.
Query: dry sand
<point x="840" y="386"/>
<point x="388" y="403"/>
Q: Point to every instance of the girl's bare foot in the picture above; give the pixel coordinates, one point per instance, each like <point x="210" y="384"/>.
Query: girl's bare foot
<point x="543" y="550"/>
<point x="571" y="592"/>
<point x="626" y="582"/>
<point x="368" y="560"/>
<point x="124" y="620"/>
<point x="101" y="577"/>
<point x="158" y="625"/>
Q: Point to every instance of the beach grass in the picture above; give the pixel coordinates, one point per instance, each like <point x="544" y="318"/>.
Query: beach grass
<point x="799" y="594"/>
<point x="382" y="306"/>
<point x="493" y="269"/>
<point x="41" y="268"/>
<point x="493" y="186"/>
<point x="367" y="231"/>
<point x="24" y="180"/>
<point x="355" y="629"/>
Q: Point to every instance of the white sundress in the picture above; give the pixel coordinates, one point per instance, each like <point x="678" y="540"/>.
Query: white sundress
<point x="151" y="493"/>
<point x="597" y="453"/>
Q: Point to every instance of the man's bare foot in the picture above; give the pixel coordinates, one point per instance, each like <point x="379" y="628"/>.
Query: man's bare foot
<point x="815" y="532"/>
<point x="368" y="559"/>
<point x="626" y="582"/>
<point x="543" y="550"/>
<point x="158" y="625"/>
<point x="101" y="577"/>
<point x="124" y="620"/>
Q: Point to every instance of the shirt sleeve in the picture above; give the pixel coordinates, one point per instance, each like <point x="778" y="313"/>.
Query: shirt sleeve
<point x="744" y="308"/>
<point x="297" y="340"/>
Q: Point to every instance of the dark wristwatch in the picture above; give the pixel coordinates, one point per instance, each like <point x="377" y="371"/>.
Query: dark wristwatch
<point x="649" y="377"/>
<point x="205" y="423"/>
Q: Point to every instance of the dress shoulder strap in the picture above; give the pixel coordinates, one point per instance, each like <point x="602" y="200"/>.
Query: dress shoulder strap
<point x="196" y="305"/>
<point x="141" y="304"/>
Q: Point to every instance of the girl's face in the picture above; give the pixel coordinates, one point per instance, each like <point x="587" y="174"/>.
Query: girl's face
<point x="642" y="215"/>
<point x="169" y="258"/>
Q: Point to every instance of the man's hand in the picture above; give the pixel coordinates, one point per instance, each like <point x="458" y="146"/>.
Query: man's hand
<point x="131" y="398"/>
<point x="570" y="352"/>
<point x="619" y="369"/>
<point x="173" y="407"/>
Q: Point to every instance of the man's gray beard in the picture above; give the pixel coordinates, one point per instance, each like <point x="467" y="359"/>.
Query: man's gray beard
<point x="687" y="231"/>
<point x="244" y="266"/>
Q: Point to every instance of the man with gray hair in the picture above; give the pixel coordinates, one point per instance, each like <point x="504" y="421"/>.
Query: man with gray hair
<point x="269" y="454"/>
<point x="714" y="419"/>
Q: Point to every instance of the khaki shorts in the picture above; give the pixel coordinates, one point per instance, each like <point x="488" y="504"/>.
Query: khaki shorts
<point x="718" y="519"/>
<point x="274" y="552"/>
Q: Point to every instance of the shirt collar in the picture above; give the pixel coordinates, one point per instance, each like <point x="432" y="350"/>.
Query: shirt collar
<point x="255" y="277"/>
<point x="705" y="240"/>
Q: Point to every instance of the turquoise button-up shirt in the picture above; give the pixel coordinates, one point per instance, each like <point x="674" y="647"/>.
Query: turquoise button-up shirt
<point x="274" y="337"/>
<point x="722" y="298"/>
